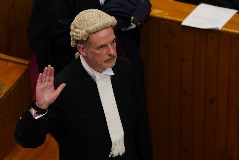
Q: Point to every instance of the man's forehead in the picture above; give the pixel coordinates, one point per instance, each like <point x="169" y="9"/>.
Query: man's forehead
<point x="102" y="36"/>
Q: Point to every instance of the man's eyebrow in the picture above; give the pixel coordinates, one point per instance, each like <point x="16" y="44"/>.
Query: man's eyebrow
<point x="102" y="45"/>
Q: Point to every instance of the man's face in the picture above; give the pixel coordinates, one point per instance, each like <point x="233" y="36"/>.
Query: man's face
<point x="101" y="53"/>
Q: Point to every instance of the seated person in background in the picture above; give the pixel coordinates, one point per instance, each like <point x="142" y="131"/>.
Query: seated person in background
<point x="232" y="4"/>
<point x="94" y="105"/>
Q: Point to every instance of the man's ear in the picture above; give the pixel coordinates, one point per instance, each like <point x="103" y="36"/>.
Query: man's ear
<point x="81" y="49"/>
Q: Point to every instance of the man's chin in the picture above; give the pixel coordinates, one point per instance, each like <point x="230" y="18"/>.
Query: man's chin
<point x="110" y="62"/>
<point x="110" y="65"/>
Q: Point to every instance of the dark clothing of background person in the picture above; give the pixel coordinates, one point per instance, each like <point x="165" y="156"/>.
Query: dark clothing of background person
<point x="49" y="28"/>
<point x="129" y="40"/>
<point x="232" y="4"/>
<point x="78" y="118"/>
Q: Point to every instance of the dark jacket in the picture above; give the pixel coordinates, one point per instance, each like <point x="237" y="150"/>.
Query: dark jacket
<point x="123" y="10"/>
<point x="233" y="4"/>
<point x="51" y="19"/>
<point x="78" y="119"/>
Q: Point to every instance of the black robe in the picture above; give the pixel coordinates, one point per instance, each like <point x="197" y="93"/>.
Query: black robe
<point x="78" y="119"/>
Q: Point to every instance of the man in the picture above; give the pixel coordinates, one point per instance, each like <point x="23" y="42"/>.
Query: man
<point x="96" y="111"/>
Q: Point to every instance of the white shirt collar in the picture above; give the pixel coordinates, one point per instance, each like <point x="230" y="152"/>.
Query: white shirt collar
<point x="94" y="74"/>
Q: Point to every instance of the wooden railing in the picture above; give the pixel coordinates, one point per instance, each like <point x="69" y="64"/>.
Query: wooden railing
<point x="192" y="85"/>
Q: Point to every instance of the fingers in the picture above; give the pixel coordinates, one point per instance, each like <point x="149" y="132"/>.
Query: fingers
<point x="39" y="79"/>
<point x="49" y="73"/>
<point x="43" y="77"/>
<point x="46" y="76"/>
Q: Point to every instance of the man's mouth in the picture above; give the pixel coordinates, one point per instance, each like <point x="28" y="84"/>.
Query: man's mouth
<point x="110" y="60"/>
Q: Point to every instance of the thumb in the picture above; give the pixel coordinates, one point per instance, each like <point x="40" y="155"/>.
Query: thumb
<point x="60" y="88"/>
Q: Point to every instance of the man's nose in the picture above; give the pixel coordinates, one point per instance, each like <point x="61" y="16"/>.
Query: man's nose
<point x="111" y="49"/>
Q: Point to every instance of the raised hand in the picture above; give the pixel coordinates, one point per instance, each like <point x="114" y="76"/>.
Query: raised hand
<point x="45" y="91"/>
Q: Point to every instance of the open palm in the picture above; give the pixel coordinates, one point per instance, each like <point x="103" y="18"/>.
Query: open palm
<point x="45" y="91"/>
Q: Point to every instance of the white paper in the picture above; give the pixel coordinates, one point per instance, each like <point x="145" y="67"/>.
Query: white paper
<point x="207" y="16"/>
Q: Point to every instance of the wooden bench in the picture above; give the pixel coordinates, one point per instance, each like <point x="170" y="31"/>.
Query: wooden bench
<point x="14" y="98"/>
<point x="192" y="85"/>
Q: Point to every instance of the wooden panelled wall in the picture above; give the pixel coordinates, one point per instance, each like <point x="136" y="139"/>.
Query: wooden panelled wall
<point x="192" y="86"/>
<point x="192" y="79"/>
<point x="14" y="19"/>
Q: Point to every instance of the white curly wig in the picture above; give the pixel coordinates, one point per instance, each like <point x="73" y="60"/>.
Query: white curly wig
<point x="87" y="22"/>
